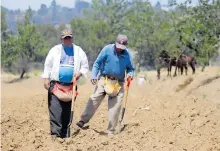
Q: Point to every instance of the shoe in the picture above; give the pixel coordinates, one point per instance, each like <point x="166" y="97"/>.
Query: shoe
<point x="80" y="123"/>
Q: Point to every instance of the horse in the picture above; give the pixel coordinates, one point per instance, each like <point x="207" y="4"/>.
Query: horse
<point x="184" y="61"/>
<point x="165" y="59"/>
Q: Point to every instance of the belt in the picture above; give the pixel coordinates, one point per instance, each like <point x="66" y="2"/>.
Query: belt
<point x="109" y="77"/>
<point x="64" y="84"/>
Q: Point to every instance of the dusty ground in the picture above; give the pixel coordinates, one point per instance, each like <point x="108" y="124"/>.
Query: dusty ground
<point x="184" y="120"/>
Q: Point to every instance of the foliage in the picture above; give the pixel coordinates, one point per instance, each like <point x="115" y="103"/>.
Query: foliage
<point x="150" y="29"/>
<point x="26" y="47"/>
<point x="4" y="32"/>
<point x="52" y="14"/>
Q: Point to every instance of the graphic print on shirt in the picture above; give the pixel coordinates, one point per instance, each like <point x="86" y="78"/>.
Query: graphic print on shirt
<point x="66" y="71"/>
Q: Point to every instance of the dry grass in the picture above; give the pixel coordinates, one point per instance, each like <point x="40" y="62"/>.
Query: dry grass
<point x="36" y="72"/>
<point x="209" y="80"/>
<point x="185" y="84"/>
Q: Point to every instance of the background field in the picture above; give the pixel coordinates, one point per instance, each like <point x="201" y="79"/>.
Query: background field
<point x="183" y="116"/>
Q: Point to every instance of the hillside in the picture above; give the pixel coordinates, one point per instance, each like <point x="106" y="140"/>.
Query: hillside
<point x="181" y="113"/>
<point x="53" y="14"/>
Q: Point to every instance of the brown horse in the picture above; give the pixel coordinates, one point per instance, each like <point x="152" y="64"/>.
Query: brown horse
<point x="180" y="63"/>
<point x="173" y="62"/>
<point x="167" y="61"/>
<point x="184" y="61"/>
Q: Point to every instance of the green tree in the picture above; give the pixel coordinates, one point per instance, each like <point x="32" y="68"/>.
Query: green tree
<point x="192" y="29"/>
<point x="31" y="47"/>
<point x="101" y="24"/>
<point x="19" y="51"/>
<point x="158" y="6"/>
<point x="9" y="52"/>
<point x="54" y="11"/>
<point x="49" y="33"/>
<point x="28" y="16"/>
<point x="199" y="30"/>
<point x="4" y="33"/>
<point x="43" y="10"/>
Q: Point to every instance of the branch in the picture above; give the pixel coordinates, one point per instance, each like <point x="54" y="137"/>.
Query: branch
<point x="141" y="108"/>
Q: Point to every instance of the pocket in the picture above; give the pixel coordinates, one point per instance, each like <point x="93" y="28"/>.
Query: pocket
<point x="63" y="93"/>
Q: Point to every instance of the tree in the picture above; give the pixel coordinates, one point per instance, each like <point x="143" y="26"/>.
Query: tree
<point x="31" y="46"/>
<point x="28" y="16"/>
<point x="4" y="33"/>
<point x="9" y="52"/>
<point x="154" y="33"/>
<point x="50" y="34"/>
<point x="26" y="47"/>
<point x="101" y="24"/>
<point x="80" y="5"/>
<point x="43" y="10"/>
<point x="158" y="6"/>
<point x="199" y="30"/>
<point x="54" y="11"/>
<point x="172" y="2"/>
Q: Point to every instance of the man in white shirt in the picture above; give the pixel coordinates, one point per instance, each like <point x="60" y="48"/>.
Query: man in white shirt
<point x="63" y="62"/>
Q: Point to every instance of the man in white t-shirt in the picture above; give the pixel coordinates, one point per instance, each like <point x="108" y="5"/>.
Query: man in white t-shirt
<point x="63" y="62"/>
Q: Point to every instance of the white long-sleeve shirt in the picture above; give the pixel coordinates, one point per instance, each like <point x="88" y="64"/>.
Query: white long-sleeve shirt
<point x="52" y="62"/>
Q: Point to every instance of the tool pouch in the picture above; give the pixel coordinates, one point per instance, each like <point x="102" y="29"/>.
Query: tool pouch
<point x="111" y="87"/>
<point x="62" y="92"/>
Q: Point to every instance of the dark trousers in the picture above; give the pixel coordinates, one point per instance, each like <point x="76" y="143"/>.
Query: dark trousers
<point x="59" y="113"/>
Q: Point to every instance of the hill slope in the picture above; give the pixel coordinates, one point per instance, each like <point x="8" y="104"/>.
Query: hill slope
<point x="183" y="114"/>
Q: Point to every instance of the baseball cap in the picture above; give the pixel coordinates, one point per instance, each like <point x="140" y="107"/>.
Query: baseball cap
<point x="121" y="42"/>
<point x="66" y="33"/>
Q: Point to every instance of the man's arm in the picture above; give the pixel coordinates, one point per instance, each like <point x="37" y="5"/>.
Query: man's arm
<point x="84" y="67"/>
<point x="130" y="67"/>
<point x="47" y="69"/>
<point x="96" y="66"/>
<point x="48" y="65"/>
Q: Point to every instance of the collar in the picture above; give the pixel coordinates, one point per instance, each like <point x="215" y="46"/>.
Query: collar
<point x="65" y="47"/>
<point x="122" y="52"/>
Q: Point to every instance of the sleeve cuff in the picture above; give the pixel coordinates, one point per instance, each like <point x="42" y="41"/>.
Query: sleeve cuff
<point x="131" y="74"/>
<point x="45" y="75"/>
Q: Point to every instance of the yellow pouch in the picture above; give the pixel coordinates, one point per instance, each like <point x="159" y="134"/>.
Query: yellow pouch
<point x="112" y="87"/>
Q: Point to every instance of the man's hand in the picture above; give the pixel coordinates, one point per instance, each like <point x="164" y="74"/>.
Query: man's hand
<point x="129" y="77"/>
<point x="46" y="83"/>
<point x="78" y="75"/>
<point x="94" y="81"/>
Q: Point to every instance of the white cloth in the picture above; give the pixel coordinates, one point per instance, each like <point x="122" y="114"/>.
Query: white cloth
<point x="52" y="62"/>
